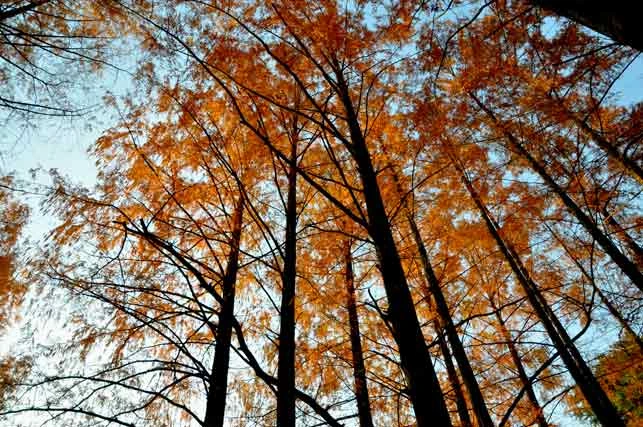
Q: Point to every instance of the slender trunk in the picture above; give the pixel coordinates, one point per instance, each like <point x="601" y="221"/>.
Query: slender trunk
<point x="444" y="323"/>
<point x="626" y="265"/>
<point x="468" y="376"/>
<point x="621" y="320"/>
<point x="582" y="374"/>
<point x="423" y="386"/>
<point x="522" y="374"/>
<point x="16" y="11"/>
<point x="359" y="371"/>
<point x="460" y="401"/>
<point x="286" y="363"/>
<point x="215" y="405"/>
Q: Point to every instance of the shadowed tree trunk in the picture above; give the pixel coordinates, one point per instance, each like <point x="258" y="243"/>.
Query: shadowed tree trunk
<point x="359" y="371"/>
<point x="460" y="401"/>
<point x="16" y="11"/>
<point x="443" y="325"/>
<point x="619" y="20"/>
<point x="215" y="406"/>
<point x="423" y="386"/>
<point x="468" y="376"/>
<point x="582" y="374"/>
<point x="286" y="364"/>
<point x="629" y="164"/>
<point x="616" y="228"/>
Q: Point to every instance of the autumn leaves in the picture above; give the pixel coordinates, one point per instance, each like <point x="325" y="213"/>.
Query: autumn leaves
<point x="307" y="218"/>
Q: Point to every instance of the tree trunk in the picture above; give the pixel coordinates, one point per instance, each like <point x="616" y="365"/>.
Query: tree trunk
<point x="522" y="374"/>
<point x="286" y="363"/>
<point x="468" y="376"/>
<point x="359" y="371"/>
<point x="423" y="386"/>
<point x="618" y="20"/>
<point x="460" y="401"/>
<point x="216" y="401"/>
<point x="582" y="374"/>
<point x="626" y="265"/>
<point x="444" y="323"/>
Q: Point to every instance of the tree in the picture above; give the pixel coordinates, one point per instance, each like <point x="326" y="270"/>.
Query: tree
<point x="358" y="213"/>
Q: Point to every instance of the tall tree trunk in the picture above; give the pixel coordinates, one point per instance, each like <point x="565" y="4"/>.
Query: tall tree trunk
<point x="444" y="324"/>
<point x="621" y="320"/>
<point x="216" y="401"/>
<point x="359" y="371"/>
<point x="618" y="20"/>
<point x="423" y="386"/>
<point x="460" y="401"/>
<point x="446" y="321"/>
<point x="626" y="265"/>
<point x="582" y="374"/>
<point x="522" y="374"/>
<point x="286" y="363"/>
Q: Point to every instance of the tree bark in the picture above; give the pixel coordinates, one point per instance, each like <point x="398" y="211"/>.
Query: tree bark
<point x="423" y="386"/>
<point x="628" y="163"/>
<point x="618" y="20"/>
<point x="460" y="401"/>
<point x="446" y="321"/>
<point x="606" y="302"/>
<point x="216" y="401"/>
<point x="286" y="362"/>
<point x="616" y="228"/>
<point x="582" y="374"/>
<point x="359" y="370"/>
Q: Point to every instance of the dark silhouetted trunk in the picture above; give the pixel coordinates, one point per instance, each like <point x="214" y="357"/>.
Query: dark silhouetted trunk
<point x="618" y="20"/>
<point x="21" y="10"/>
<point x="359" y="371"/>
<point x="522" y="374"/>
<point x="444" y="324"/>
<point x="460" y="401"/>
<point x="468" y="376"/>
<point x="582" y="374"/>
<point x="286" y="364"/>
<point x="423" y="386"/>
<point x="621" y="320"/>
<point x="626" y="265"/>
<point x="215" y="405"/>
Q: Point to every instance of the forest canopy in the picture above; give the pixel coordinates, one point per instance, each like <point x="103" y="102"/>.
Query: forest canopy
<point x="355" y="213"/>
